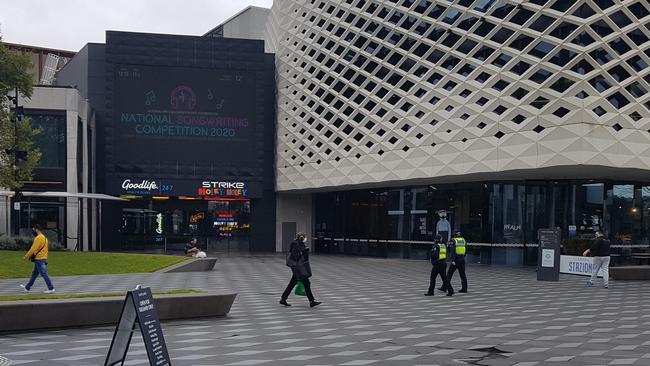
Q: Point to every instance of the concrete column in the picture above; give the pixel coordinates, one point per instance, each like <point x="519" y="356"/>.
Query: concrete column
<point x="85" y="239"/>
<point x="294" y="208"/>
<point x="72" y="204"/>
<point x="72" y="222"/>
<point x="5" y="215"/>
<point x="85" y="114"/>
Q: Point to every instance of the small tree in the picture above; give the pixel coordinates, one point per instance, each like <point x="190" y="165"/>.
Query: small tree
<point x="18" y="153"/>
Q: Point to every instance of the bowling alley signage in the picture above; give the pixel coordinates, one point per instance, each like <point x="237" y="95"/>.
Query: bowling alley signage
<point x="210" y="189"/>
<point x="206" y="189"/>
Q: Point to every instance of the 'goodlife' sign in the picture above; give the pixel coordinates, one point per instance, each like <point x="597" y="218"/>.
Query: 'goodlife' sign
<point x="578" y="265"/>
<point x="143" y="185"/>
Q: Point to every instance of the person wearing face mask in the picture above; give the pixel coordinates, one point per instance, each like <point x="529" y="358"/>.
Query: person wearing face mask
<point x="298" y="261"/>
<point x="38" y="254"/>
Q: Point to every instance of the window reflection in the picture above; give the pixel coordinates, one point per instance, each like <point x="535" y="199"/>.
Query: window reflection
<point x="51" y="140"/>
<point x="490" y="212"/>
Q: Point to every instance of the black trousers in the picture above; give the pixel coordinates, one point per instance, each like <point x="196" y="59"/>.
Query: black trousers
<point x="439" y="269"/>
<point x="292" y="284"/>
<point x="460" y="265"/>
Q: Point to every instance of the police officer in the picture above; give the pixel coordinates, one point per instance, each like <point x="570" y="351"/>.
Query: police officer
<point x="439" y="262"/>
<point x="458" y="261"/>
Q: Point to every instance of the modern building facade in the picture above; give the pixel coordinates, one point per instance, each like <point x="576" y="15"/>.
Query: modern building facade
<point x="65" y="173"/>
<point x="511" y="116"/>
<point x="185" y="133"/>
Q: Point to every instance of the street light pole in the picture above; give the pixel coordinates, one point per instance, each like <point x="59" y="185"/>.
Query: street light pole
<point x="19" y="155"/>
<point x="15" y="150"/>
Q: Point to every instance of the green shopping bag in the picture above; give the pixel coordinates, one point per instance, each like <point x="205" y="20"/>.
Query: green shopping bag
<point x="300" y="289"/>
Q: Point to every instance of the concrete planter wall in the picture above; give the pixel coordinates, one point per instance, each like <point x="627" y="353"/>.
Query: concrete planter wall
<point x="62" y="313"/>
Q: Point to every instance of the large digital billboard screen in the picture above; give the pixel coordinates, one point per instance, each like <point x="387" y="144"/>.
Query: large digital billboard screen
<point x="175" y="115"/>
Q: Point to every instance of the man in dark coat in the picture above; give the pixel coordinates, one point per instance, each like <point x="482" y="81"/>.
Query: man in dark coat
<point x="439" y="267"/>
<point x="600" y="249"/>
<point x="298" y="261"/>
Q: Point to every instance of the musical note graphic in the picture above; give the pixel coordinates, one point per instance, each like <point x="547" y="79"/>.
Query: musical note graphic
<point x="150" y="97"/>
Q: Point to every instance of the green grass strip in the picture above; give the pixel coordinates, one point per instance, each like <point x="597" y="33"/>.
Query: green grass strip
<point x="85" y="263"/>
<point x="82" y="296"/>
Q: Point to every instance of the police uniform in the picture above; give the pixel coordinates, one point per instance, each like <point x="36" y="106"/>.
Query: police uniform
<point x="458" y="261"/>
<point x="439" y="267"/>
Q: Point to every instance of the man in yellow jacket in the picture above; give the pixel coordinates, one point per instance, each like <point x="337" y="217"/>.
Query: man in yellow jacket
<point x="38" y="252"/>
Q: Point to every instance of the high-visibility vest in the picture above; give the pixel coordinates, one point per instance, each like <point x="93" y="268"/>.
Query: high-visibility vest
<point x="443" y="251"/>
<point x="460" y="246"/>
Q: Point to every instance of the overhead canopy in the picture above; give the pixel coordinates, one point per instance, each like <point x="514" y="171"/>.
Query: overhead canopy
<point x="95" y="196"/>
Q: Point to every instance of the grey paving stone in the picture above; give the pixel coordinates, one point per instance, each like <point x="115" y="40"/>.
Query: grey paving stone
<point x="373" y="313"/>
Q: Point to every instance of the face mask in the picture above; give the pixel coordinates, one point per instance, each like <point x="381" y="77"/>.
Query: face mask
<point x="34" y="232"/>
<point x="304" y="240"/>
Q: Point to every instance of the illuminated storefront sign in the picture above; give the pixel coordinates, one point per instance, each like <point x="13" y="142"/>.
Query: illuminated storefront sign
<point x="197" y="217"/>
<point x="145" y="187"/>
<point x="166" y="189"/>
<point x="159" y="223"/>
<point x="226" y="225"/>
<point x="223" y="189"/>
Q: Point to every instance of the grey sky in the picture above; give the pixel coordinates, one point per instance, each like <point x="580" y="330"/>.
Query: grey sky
<point x="70" y="24"/>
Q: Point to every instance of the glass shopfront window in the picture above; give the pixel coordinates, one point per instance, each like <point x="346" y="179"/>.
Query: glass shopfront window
<point x="49" y="213"/>
<point x="419" y="222"/>
<point x="559" y="202"/>
<point x="537" y="214"/>
<point x="491" y="212"/>
<point x="644" y="211"/>
<point x="619" y="215"/>
<point x="367" y="214"/>
<point x="396" y="214"/>
<point x="52" y="139"/>
<point x="507" y="213"/>
<point x="224" y="225"/>
<point x="587" y="204"/>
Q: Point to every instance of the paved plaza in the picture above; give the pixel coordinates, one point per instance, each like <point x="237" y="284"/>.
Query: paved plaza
<point x="373" y="313"/>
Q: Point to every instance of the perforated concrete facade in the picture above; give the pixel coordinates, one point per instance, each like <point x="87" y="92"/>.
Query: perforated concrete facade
<point x="404" y="90"/>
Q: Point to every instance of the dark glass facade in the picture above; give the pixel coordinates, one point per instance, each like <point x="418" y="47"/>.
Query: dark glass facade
<point x="52" y="139"/>
<point x="168" y="124"/>
<point x="46" y="211"/>
<point x="501" y="213"/>
<point x="171" y="223"/>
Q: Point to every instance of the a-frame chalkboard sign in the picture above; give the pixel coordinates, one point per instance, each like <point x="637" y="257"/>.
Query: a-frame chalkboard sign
<point x="138" y="307"/>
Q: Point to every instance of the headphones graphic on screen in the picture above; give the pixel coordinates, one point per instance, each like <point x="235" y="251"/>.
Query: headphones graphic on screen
<point x="183" y="97"/>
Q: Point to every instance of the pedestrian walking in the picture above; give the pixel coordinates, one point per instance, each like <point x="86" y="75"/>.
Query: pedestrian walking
<point x="298" y="261"/>
<point x="600" y="249"/>
<point x="458" y="262"/>
<point x="38" y="254"/>
<point x="439" y="266"/>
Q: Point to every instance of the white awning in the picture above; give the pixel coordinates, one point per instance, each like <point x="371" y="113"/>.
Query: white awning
<point x="95" y="196"/>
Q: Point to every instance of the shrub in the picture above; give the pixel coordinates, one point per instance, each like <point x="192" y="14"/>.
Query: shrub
<point x="15" y="243"/>
<point x="23" y="243"/>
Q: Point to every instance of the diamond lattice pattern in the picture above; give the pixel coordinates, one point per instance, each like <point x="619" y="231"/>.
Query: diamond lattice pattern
<point x="375" y="91"/>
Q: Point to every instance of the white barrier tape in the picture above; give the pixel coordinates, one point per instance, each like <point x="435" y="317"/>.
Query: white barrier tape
<point x="502" y="245"/>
